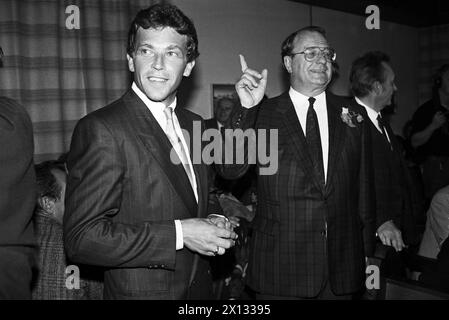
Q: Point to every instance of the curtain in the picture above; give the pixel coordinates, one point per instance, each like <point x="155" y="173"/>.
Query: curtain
<point x="59" y="74"/>
<point x="434" y="52"/>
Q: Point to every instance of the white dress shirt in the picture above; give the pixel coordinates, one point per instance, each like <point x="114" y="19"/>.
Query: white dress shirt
<point x="301" y="104"/>
<point x="372" y="115"/>
<point x="157" y="110"/>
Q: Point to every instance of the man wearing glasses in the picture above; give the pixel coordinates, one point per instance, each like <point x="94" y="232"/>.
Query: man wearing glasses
<point x="17" y="199"/>
<point x="315" y="216"/>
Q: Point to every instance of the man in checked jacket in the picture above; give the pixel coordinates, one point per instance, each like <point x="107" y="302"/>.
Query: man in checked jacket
<point x="314" y="221"/>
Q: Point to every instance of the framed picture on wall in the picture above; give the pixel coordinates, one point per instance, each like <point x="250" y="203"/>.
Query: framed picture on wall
<point x="220" y="91"/>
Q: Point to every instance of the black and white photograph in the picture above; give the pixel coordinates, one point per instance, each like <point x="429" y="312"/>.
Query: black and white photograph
<point x="235" y="153"/>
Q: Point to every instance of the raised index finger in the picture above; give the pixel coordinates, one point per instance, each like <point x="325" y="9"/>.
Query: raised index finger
<point x="243" y="63"/>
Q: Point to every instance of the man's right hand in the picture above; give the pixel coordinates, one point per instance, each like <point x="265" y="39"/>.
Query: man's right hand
<point x="204" y="237"/>
<point x="390" y="235"/>
<point x="251" y="86"/>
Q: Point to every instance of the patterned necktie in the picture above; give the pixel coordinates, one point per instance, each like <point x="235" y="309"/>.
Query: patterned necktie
<point x="177" y="144"/>
<point x="313" y="139"/>
<point x="380" y="121"/>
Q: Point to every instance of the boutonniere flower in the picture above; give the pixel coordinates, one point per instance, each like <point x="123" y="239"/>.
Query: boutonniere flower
<point x="351" y="118"/>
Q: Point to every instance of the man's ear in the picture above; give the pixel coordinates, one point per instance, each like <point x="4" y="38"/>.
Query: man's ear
<point x="130" y="62"/>
<point x="188" y="69"/>
<point x="377" y="87"/>
<point x="288" y="63"/>
<point x="47" y="203"/>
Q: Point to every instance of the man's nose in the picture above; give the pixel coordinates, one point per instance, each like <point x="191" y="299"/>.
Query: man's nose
<point x="321" y="58"/>
<point x="158" y="62"/>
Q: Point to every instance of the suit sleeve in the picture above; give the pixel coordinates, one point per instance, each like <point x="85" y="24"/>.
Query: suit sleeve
<point x="93" y="198"/>
<point x="230" y="168"/>
<point x="367" y="201"/>
<point x="387" y="209"/>
<point x="389" y="204"/>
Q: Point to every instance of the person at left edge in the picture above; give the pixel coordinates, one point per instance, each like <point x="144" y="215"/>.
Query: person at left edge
<point x="17" y="199"/>
<point x="129" y="207"/>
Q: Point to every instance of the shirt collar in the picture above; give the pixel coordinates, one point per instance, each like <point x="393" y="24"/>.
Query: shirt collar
<point x="152" y="105"/>
<point x="298" y="96"/>
<point x="372" y="114"/>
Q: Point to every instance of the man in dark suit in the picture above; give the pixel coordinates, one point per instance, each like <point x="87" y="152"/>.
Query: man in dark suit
<point x="136" y="201"/>
<point x="314" y="221"/>
<point x="372" y="83"/>
<point x="17" y="199"/>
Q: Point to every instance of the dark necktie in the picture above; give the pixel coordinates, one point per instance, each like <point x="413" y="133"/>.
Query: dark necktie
<point x="313" y="139"/>
<point x="381" y="123"/>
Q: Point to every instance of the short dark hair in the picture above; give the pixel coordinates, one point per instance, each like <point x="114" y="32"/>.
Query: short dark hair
<point x="366" y="70"/>
<point x="287" y="45"/>
<point x="47" y="185"/>
<point x="161" y="16"/>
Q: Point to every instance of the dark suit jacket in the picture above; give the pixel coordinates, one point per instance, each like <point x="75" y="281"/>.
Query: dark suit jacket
<point x="123" y="195"/>
<point x="17" y="200"/>
<point x="291" y="248"/>
<point x="392" y="181"/>
<point x="238" y="187"/>
<point x="211" y="123"/>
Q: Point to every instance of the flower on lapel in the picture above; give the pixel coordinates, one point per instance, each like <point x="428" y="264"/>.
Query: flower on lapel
<point x="347" y="117"/>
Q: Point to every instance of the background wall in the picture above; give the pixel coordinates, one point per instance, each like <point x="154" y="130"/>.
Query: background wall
<point x="256" y="28"/>
<point x="61" y="74"/>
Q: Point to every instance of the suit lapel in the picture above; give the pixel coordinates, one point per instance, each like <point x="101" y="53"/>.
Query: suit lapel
<point x="296" y="135"/>
<point x="336" y="136"/>
<point x="159" y="147"/>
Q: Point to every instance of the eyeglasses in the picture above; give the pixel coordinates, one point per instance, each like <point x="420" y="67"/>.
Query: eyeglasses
<point x="313" y="53"/>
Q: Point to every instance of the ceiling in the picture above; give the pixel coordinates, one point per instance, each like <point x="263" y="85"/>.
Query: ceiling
<point x="417" y="14"/>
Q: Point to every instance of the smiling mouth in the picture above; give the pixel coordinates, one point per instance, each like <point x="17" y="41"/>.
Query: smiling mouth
<point x="319" y="71"/>
<point x="157" y="79"/>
